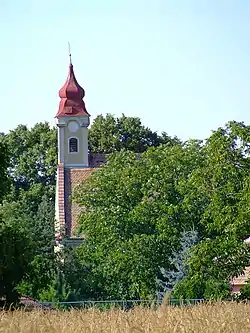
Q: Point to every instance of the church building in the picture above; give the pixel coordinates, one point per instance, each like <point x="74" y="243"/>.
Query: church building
<point x="75" y="164"/>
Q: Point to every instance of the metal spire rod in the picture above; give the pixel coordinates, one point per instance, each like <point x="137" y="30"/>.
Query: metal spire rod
<point x="69" y="53"/>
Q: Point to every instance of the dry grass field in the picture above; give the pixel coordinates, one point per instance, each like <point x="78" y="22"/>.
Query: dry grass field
<point x="213" y="318"/>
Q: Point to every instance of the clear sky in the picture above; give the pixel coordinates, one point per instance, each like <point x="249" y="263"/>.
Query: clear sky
<point x="182" y="66"/>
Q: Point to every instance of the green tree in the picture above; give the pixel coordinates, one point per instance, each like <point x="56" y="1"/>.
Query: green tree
<point x="70" y="281"/>
<point x="15" y="255"/>
<point x="31" y="173"/>
<point x="39" y="234"/>
<point x="33" y="156"/>
<point x="221" y="188"/>
<point x="42" y="266"/>
<point x="33" y="152"/>
<point x="245" y="292"/>
<point x="134" y="216"/>
<point x="4" y="160"/>
<point x="108" y="134"/>
<point x="170" y="278"/>
<point x="136" y="209"/>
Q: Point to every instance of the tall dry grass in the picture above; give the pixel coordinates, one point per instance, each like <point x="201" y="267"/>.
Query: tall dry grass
<point x="214" y="318"/>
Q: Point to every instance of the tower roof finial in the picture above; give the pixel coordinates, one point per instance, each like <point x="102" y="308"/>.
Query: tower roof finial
<point x="70" y="60"/>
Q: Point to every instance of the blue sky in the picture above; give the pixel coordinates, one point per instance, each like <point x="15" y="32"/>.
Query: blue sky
<point x="182" y="66"/>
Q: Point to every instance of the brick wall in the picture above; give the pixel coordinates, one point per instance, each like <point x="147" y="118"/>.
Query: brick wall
<point x="61" y="196"/>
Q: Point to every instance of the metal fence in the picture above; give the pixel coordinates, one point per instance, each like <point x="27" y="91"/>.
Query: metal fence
<point x="123" y="304"/>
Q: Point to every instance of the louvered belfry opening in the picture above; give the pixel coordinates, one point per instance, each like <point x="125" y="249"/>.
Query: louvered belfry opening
<point x="73" y="145"/>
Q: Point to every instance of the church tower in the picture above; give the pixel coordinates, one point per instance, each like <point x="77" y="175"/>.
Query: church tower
<point x="72" y="121"/>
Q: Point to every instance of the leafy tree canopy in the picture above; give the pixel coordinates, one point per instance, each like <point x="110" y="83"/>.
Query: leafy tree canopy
<point x="221" y="189"/>
<point x="33" y="155"/>
<point x="136" y="209"/>
<point x="31" y="170"/>
<point x="37" y="239"/>
<point x="15" y="254"/>
<point x="4" y="161"/>
<point x="33" y="152"/>
<point x="108" y="134"/>
<point x="134" y="216"/>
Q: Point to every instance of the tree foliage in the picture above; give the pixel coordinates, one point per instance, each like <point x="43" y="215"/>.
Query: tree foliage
<point x="221" y="189"/>
<point x="30" y="169"/>
<point x="33" y="155"/>
<point x="15" y="254"/>
<point x="136" y="209"/>
<point x="178" y="259"/>
<point x="41" y="232"/>
<point x="4" y="161"/>
<point x="108" y="134"/>
<point x="33" y="152"/>
<point x="134" y="216"/>
<point x="69" y="281"/>
<point x="36" y="232"/>
<point x="245" y="292"/>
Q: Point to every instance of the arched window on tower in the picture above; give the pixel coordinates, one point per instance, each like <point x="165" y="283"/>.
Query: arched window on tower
<point x="73" y="145"/>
